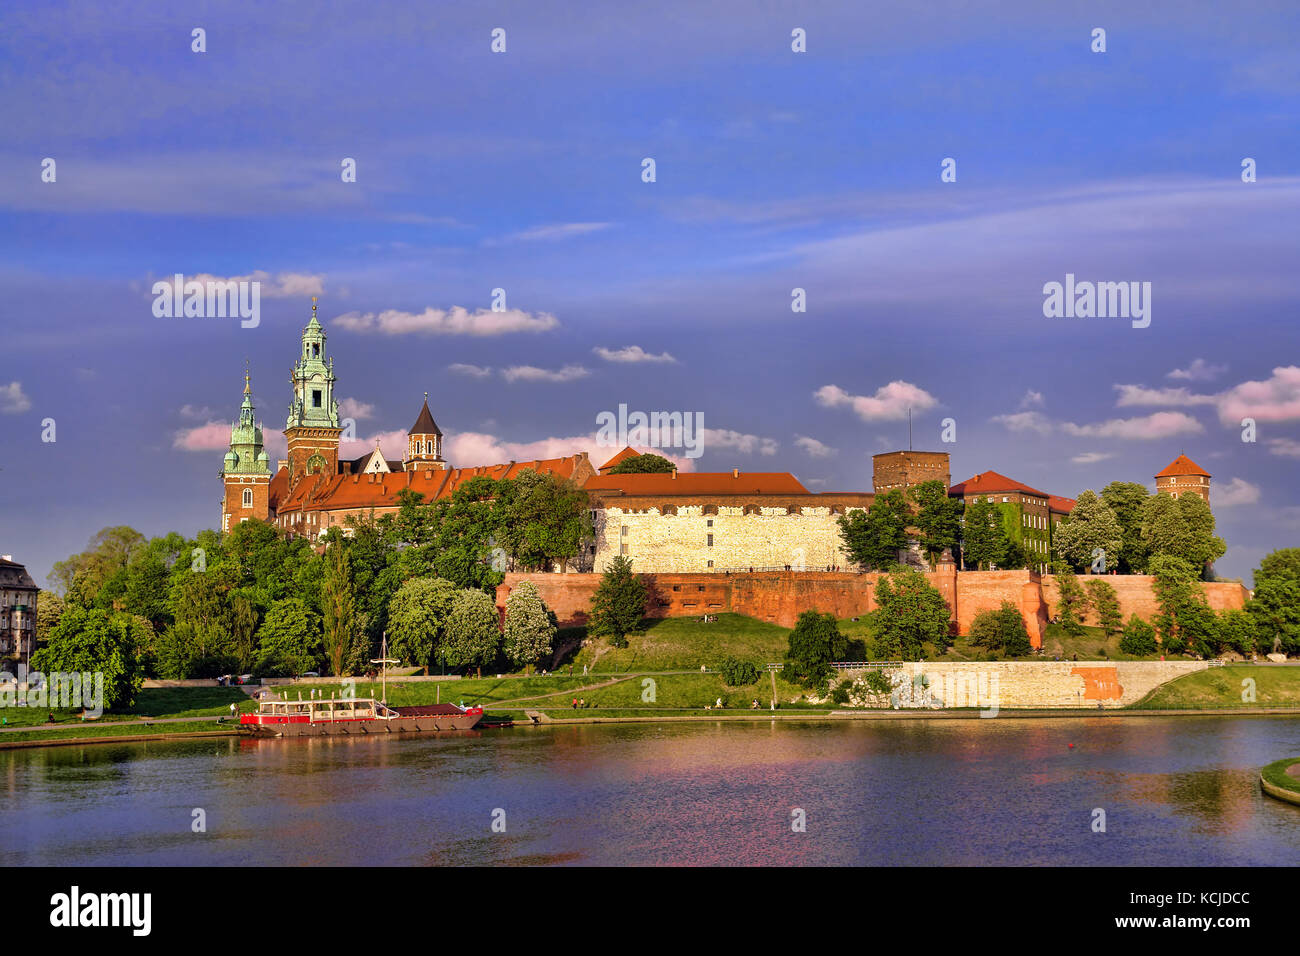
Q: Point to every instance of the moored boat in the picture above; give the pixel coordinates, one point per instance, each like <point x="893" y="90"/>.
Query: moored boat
<point x="355" y="716"/>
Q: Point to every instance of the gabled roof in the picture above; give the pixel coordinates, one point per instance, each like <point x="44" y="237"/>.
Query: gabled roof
<point x="1060" y="505"/>
<point x="700" y="483"/>
<point x="624" y="455"/>
<point x="425" y="425"/>
<point x="990" y="482"/>
<point x="1182" y="465"/>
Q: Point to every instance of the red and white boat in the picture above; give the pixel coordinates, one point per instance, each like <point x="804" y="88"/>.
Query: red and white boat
<point x="354" y="717"/>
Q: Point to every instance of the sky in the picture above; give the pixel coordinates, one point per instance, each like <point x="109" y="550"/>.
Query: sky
<point x="774" y="170"/>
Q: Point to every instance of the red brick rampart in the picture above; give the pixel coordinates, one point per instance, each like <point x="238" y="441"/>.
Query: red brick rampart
<point x="1136" y="593"/>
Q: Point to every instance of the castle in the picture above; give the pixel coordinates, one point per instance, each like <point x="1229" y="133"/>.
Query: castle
<point x="679" y="522"/>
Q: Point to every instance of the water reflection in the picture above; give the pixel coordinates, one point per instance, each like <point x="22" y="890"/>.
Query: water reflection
<point x="1180" y="791"/>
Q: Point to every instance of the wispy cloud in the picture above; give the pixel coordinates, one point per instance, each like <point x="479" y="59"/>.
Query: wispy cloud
<point x="473" y="371"/>
<point x="453" y="321"/>
<point x="1199" y="371"/>
<point x="283" y="285"/>
<point x="1092" y="457"/>
<point x="554" y="231"/>
<point x="813" y="447"/>
<point x="1236" y="492"/>
<point x="531" y="373"/>
<point x="631" y="353"/>
<point x="1145" y="428"/>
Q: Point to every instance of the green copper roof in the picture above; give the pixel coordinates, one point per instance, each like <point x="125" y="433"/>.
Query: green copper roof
<point x="313" y="404"/>
<point x="246" y="455"/>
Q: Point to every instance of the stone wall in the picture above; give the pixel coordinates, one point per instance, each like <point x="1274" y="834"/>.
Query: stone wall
<point x="731" y="536"/>
<point x="1136" y="593"/>
<point x="1019" y="684"/>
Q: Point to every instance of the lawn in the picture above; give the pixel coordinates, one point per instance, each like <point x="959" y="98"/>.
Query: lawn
<point x="684" y="643"/>
<point x="1275" y="773"/>
<point x="1274" y="686"/>
<point x="121" y="730"/>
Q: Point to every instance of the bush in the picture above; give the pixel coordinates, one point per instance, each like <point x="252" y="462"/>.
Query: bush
<point x="840" y="695"/>
<point x="1139" y="638"/>
<point x="815" y="642"/>
<point x="1003" y="629"/>
<point x="877" y="682"/>
<point x="738" y="673"/>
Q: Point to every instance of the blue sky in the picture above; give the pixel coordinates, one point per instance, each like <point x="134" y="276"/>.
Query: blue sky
<point x="775" y="170"/>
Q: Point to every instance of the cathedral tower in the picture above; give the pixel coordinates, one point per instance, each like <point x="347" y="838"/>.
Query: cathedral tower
<point x="424" y="443"/>
<point x="245" y="476"/>
<point x="312" y="431"/>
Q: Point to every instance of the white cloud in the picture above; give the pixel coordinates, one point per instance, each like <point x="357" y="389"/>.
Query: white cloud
<point x="531" y="373"/>
<point x="1032" y="399"/>
<point x="1035" y="422"/>
<point x="392" y="444"/>
<point x="814" y="447"/>
<point x="1199" y="371"/>
<point x="473" y="371"/>
<point x="1179" y="397"/>
<point x="453" y="321"/>
<point x="1276" y="399"/>
<point x="632" y="353"/>
<point x="1236" y="492"/>
<point x="215" y="436"/>
<point x="13" y="401"/>
<point x="1155" y="425"/>
<point x="285" y="285"/>
<point x="725" y="438"/>
<point x="889" y="403"/>
<point x="351" y="408"/>
<point x="1284" y="447"/>
<point x="1091" y="457"/>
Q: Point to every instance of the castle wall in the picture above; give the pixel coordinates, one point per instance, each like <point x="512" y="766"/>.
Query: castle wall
<point x="1136" y="593"/>
<point x="766" y="537"/>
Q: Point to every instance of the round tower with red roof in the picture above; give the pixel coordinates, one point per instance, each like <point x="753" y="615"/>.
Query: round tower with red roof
<point x="1182" y="476"/>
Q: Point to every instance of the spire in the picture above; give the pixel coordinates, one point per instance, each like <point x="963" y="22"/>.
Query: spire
<point x="246" y="455"/>
<point x="315" y="322"/>
<point x="424" y="424"/>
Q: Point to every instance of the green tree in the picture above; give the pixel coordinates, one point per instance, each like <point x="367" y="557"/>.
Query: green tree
<point x="1105" y="602"/>
<point x="1002" y="629"/>
<point x="528" y="629"/>
<point x="937" y="518"/>
<point x="542" y="520"/>
<point x="1090" y="528"/>
<point x="1236" y="631"/>
<point x="815" y="643"/>
<point x="909" y="612"/>
<point x="339" y="607"/>
<point x="738" y="673"/>
<point x="618" y="604"/>
<point x="1139" y="638"/>
<point x="1126" y="500"/>
<point x="1182" y="528"/>
<point x="982" y="539"/>
<point x="106" y="557"/>
<point x="1275" y="602"/>
<point x="874" y="538"/>
<point x="93" y="640"/>
<point x="470" y="636"/>
<point x="1073" y="603"/>
<point x="289" y="638"/>
<point x="1182" y="603"/>
<point x="416" y="617"/>
<point x="643" y="465"/>
<point x="49" y="608"/>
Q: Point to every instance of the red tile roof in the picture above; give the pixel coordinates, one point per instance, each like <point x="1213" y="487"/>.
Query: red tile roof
<point x="1182" y="465"/>
<point x="990" y="482"/>
<point x="700" y="483"/>
<point x="1061" y="505"/>
<point x="360" y="492"/>
<point x="624" y="455"/>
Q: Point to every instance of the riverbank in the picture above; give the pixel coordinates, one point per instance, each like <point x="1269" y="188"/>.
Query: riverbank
<point x="1281" y="779"/>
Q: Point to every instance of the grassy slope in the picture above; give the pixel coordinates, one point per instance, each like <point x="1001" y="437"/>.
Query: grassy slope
<point x="1275" y="773"/>
<point x="1275" y="686"/>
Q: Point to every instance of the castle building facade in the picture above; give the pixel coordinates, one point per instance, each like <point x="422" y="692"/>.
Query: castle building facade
<point x="18" y="596"/>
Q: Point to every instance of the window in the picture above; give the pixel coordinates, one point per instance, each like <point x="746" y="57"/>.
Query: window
<point x="622" y="549"/>
<point x="315" y="398"/>
<point x="624" y="531"/>
<point x="710" y="564"/>
<point x="709" y="523"/>
<point x="710" y="541"/>
<point x="315" y="350"/>
<point x="248" y="497"/>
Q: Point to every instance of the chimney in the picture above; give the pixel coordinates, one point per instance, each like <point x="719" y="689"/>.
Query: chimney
<point x="735" y="473"/>
<point x="674" y="474"/>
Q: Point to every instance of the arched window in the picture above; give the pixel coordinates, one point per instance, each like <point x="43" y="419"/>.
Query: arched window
<point x="248" y="497"/>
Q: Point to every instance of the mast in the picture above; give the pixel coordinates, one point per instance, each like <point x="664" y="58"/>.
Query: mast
<point x="384" y="660"/>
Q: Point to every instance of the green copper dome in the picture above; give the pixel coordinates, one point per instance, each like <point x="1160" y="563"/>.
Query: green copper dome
<point x="246" y="455"/>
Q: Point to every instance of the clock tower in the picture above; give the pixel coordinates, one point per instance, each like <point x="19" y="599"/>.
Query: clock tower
<point x="313" y="431"/>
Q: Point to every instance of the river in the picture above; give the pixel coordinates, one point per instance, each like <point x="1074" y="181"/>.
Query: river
<point x="1175" y="791"/>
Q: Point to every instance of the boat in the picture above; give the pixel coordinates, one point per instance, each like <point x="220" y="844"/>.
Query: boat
<point x="355" y="717"/>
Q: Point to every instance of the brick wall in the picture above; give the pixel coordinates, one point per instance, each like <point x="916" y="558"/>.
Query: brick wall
<point x="1136" y="593"/>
